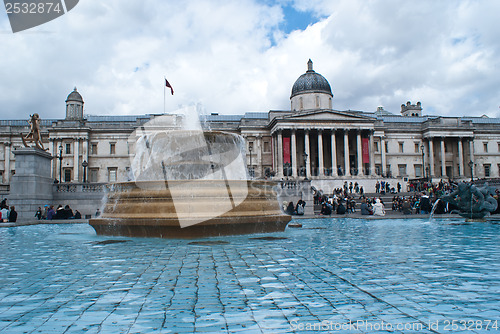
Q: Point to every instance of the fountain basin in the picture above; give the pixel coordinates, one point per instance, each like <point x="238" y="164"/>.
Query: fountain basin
<point x="190" y="209"/>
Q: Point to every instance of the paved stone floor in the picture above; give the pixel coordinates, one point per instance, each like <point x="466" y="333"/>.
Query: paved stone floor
<point x="332" y="275"/>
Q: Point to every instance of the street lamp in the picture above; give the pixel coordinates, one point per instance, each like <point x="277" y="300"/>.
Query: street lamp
<point x="250" y="148"/>
<point x="85" y="164"/>
<point x="471" y="166"/>
<point x="422" y="147"/>
<point x="305" y="165"/>
<point x="60" y="157"/>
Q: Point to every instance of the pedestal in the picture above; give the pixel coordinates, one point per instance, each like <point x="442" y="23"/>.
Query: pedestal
<point x="31" y="186"/>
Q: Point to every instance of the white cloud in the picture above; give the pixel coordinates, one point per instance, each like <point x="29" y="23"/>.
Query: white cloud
<point x="232" y="56"/>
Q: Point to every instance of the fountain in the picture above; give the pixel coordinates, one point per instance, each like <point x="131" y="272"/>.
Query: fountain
<point x="472" y="202"/>
<point x="189" y="183"/>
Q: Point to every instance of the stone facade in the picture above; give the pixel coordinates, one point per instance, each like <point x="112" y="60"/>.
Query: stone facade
<point x="311" y="140"/>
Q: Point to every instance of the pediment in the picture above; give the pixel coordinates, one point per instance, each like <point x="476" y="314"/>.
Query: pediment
<point x="328" y="115"/>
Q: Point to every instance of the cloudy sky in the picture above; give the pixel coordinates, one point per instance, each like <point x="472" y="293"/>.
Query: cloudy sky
<point x="238" y="56"/>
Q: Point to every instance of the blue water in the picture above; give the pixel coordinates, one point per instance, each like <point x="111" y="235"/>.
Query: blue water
<point x="336" y="275"/>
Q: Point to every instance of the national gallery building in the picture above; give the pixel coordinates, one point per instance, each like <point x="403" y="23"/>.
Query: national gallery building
<point x="311" y="140"/>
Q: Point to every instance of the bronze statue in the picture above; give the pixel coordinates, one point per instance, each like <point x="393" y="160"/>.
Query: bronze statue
<point x="472" y="202"/>
<point x="34" y="134"/>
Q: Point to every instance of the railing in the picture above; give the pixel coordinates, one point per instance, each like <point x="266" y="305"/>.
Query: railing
<point x="80" y="187"/>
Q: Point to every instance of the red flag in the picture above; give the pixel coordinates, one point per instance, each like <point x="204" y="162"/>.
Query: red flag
<point x="167" y="84"/>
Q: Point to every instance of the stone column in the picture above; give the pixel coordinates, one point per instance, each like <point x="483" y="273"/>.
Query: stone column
<point x="294" y="153"/>
<point x="7" y="162"/>
<point x="431" y="157"/>
<point x="443" y="158"/>
<point x="471" y="150"/>
<point x="384" y="158"/>
<point x="359" y="153"/>
<point x="76" y="160"/>
<point x="54" y="160"/>
<point x="320" y="154"/>
<point x="460" y="158"/>
<point x="273" y="149"/>
<point x="372" y="155"/>
<point x="307" y="150"/>
<point x="280" y="154"/>
<point x="259" y="156"/>
<point x="334" y="154"/>
<point x="347" y="170"/>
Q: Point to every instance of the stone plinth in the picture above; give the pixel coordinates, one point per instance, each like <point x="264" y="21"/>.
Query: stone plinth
<point x="32" y="184"/>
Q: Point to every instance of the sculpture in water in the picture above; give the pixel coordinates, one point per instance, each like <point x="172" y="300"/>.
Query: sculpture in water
<point x="189" y="183"/>
<point x="472" y="202"/>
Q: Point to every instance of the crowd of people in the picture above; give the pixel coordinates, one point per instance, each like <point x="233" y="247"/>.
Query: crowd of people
<point x="421" y="199"/>
<point x="7" y="213"/>
<point x="49" y="213"/>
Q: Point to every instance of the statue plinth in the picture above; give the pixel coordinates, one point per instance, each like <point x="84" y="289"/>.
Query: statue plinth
<point x="32" y="184"/>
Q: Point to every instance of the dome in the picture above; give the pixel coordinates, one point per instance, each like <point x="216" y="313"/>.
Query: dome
<point x="74" y="96"/>
<point x="311" y="82"/>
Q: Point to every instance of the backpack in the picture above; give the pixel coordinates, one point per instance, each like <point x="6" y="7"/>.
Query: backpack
<point x="300" y="209"/>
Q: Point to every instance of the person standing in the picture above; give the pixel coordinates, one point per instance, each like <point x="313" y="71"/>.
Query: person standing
<point x="5" y="214"/>
<point x="38" y="213"/>
<point x="12" y="214"/>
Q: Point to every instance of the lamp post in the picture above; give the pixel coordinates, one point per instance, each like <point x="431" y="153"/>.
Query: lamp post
<point x="305" y="165"/>
<point x="60" y="157"/>
<point x="85" y="164"/>
<point x="471" y="166"/>
<point x="250" y="148"/>
<point x="422" y="147"/>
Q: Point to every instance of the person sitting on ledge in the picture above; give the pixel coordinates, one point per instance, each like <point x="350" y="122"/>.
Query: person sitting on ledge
<point x="77" y="215"/>
<point x="341" y="210"/>
<point x="290" y="209"/>
<point x="378" y="208"/>
<point x="365" y="209"/>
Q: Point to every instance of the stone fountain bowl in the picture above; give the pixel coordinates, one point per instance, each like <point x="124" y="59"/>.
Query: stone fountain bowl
<point x="190" y="209"/>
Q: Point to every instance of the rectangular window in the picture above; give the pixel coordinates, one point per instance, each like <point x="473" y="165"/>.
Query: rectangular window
<point x="418" y="170"/>
<point x="402" y="170"/>
<point x="93" y="175"/>
<point x="267" y="147"/>
<point x="68" y="148"/>
<point x="112" y="148"/>
<point x="487" y="170"/>
<point x="376" y="146"/>
<point x="112" y="171"/>
<point x="401" y="147"/>
<point x="498" y="147"/>
<point x="417" y="148"/>
<point x="386" y="148"/>
<point x="485" y="147"/>
<point x="67" y="174"/>
<point x="93" y="148"/>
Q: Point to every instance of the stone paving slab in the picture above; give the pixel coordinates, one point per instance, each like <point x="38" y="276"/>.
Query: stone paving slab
<point x="333" y="275"/>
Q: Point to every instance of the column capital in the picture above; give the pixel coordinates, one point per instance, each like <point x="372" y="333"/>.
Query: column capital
<point x="7" y="143"/>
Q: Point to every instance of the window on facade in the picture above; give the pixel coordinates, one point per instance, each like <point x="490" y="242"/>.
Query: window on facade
<point x="317" y="101"/>
<point x="93" y="148"/>
<point x="498" y="147"/>
<point x="485" y="147"/>
<point x="401" y="147"/>
<point x="386" y="148"/>
<point x="112" y="171"/>
<point x="376" y="146"/>
<point x="67" y="174"/>
<point x="112" y="148"/>
<point x="68" y="148"/>
<point x="250" y="146"/>
<point x="402" y="170"/>
<point x="267" y="146"/>
<point x="418" y="171"/>
<point x="487" y="170"/>
<point x="1" y="176"/>
<point x="417" y="148"/>
<point x="93" y="175"/>
<point x="301" y="104"/>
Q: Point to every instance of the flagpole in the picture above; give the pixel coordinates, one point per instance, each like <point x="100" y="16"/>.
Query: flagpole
<point x="164" y="86"/>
